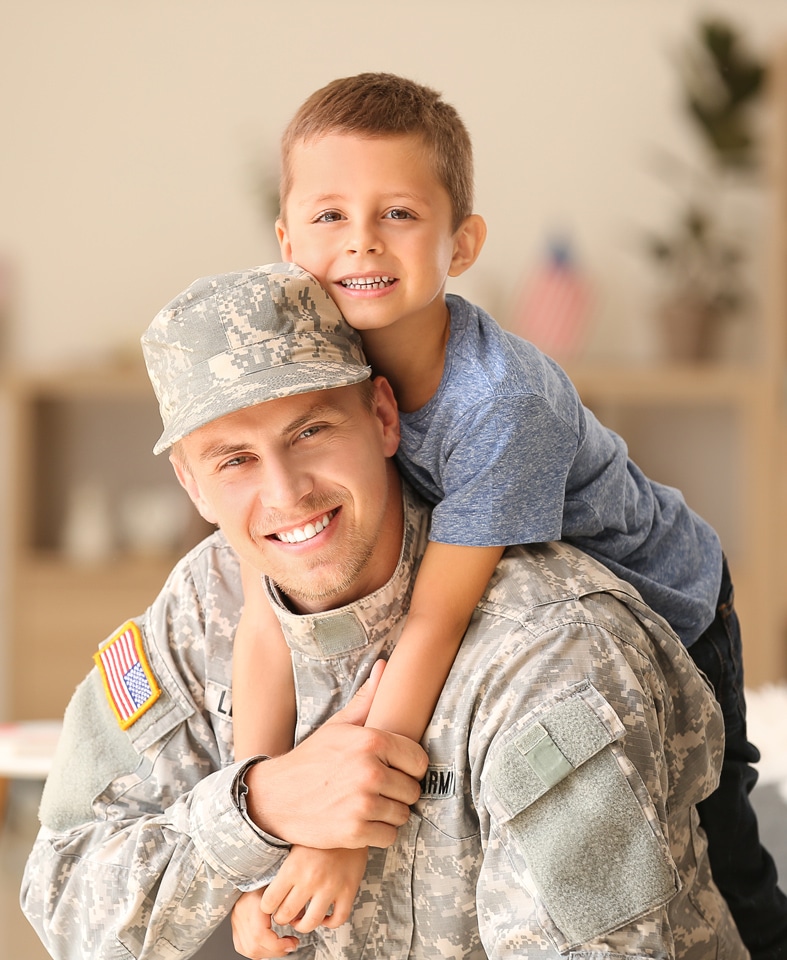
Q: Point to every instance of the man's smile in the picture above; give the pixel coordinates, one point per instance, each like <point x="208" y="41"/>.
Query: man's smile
<point x="306" y="532"/>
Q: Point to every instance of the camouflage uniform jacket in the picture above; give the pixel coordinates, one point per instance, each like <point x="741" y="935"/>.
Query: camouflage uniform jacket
<point x="570" y="743"/>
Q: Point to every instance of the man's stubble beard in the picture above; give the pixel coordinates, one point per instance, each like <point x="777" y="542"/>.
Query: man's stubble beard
<point x="317" y="589"/>
<point x="309" y="587"/>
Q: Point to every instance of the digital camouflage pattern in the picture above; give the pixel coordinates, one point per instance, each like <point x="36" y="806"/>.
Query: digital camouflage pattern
<point x="237" y="339"/>
<point x="570" y="743"/>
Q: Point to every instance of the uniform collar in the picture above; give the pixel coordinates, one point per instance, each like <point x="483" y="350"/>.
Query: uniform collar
<point x="335" y="633"/>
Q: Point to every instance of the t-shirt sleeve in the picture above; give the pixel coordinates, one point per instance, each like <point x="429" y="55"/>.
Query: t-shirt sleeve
<point x="504" y="470"/>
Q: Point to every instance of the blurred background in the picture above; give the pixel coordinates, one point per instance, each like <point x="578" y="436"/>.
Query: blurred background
<point x="631" y="163"/>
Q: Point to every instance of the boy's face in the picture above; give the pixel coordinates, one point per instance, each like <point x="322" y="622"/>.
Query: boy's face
<point x="371" y="221"/>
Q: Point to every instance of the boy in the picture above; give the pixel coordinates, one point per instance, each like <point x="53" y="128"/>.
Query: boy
<point x="376" y="203"/>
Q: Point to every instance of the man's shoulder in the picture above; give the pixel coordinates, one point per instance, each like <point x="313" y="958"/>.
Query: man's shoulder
<point x="212" y="558"/>
<point x="545" y="582"/>
<point x="200" y="601"/>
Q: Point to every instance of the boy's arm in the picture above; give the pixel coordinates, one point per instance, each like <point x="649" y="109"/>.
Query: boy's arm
<point x="261" y="660"/>
<point x="315" y="888"/>
<point x="252" y="931"/>
<point x="450" y="582"/>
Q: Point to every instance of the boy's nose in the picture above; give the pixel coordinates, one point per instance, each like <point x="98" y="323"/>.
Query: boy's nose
<point x="364" y="240"/>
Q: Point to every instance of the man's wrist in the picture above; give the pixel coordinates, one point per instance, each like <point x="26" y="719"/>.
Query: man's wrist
<point x="269" y="797"/>
<point x="241" y="790"/>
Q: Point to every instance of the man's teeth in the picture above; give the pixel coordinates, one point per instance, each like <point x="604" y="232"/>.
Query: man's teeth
<point x="299" y="534"/>
<point x="367" y="283"/>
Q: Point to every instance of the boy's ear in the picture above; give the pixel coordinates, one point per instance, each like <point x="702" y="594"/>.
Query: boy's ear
<point x="284" y="242"/>
<point x="468" y="242"/>
<point x="190" y="485"/>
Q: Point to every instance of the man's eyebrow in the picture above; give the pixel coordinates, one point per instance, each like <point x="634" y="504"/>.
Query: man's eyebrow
<point x="317" y="412"/>
<point x="219" y="449"/>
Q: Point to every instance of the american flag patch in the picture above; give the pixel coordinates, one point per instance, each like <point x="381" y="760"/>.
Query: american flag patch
<point x="128" y="680"/>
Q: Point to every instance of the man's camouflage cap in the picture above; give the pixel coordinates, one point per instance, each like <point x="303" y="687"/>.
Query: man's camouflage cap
<point x="238" y="339"/>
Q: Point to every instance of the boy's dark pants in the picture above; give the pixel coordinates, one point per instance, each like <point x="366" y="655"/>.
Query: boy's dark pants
<point x="743" y="870"/>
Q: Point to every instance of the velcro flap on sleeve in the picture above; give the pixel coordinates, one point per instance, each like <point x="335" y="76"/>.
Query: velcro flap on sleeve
<point x="575" y="815"/>
<point x="92" y="751"/>
<point x="546" y="749"/>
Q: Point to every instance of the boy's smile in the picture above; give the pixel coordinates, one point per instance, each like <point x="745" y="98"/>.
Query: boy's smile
<point x="368" y="283"/>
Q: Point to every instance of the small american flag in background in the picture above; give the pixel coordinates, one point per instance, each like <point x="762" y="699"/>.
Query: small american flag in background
<point x="130" y="685"/>
<point x="553" y="309"/>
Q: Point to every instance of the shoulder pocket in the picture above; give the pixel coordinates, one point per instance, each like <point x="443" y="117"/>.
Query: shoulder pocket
<point x="577" y="818"/>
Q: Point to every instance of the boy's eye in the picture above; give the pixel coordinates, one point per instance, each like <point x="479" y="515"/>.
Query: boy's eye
<point x="399" y="213"/>
<point x="328" y="216"/>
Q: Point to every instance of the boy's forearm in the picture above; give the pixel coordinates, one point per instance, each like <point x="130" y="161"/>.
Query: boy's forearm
<point x="413" y="679"/>
<point x="261" y="663"/>
<point x="451" y="581"/>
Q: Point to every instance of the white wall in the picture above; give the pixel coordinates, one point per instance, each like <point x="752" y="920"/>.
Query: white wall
<point x="133" y="135"/>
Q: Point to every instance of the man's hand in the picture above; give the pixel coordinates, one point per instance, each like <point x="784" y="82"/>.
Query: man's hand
<point x="252" y="934"/>
<point x="345" y="786"/>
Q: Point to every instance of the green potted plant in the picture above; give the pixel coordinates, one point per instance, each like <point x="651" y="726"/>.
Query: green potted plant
<point x="701" y="262"/>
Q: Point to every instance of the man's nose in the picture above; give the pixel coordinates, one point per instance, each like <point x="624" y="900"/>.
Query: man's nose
<point x="284" y="484"/>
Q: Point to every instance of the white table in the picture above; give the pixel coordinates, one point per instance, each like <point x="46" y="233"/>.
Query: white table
<point x="26" y="752"/>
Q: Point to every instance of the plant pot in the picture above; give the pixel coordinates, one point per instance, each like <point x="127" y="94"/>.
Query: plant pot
<point x="689" y="331"/>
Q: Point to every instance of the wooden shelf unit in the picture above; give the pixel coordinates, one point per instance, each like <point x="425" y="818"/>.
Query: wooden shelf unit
<point x="713" y="432"/>
<point x="97" y="426"/>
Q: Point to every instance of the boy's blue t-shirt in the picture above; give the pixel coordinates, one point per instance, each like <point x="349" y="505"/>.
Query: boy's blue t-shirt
<point x="508" y="454"/>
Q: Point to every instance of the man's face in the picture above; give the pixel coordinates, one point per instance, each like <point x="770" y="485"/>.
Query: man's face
<point x="371" y="221"/>
<point x="303" y="489"/>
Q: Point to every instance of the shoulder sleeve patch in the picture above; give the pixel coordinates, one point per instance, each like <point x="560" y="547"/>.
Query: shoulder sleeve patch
<point x="92" y="752"/>
<point x="574" y="813"/>
<point x="129" y="683"/>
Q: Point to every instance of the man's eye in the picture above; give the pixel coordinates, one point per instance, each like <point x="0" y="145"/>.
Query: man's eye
<point x="234" y="462"/>
<point x="309" y="432"/>
<point x="328" y="216"/>
<point x="399" y="213"/>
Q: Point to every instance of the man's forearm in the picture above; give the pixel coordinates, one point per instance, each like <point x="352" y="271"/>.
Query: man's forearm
<point x="144" y="880"/>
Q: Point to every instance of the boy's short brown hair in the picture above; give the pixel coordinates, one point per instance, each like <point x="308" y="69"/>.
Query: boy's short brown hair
<point x="382" y="105"/>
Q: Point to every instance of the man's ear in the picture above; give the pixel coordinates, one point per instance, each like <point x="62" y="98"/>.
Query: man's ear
<point x="387" y="412"/>
<point x="190" y="485"/>
<point x="285" y="247"/>
<point x="468" y="243"/>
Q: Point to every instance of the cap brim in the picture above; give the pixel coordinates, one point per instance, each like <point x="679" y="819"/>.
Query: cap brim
<point x="259" y="387"/>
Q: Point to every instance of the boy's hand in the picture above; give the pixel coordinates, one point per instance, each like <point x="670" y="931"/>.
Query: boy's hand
<point x="252" y="935"/>
<point x="310" y="882"/>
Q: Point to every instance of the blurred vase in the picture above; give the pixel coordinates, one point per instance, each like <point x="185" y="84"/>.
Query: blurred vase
<point x="154" y="520"/>
<point x="690" y="330"/>
<point x="88" y="534"/>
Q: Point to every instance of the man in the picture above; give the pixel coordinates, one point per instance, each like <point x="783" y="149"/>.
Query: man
<point x="565" y="756"/>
